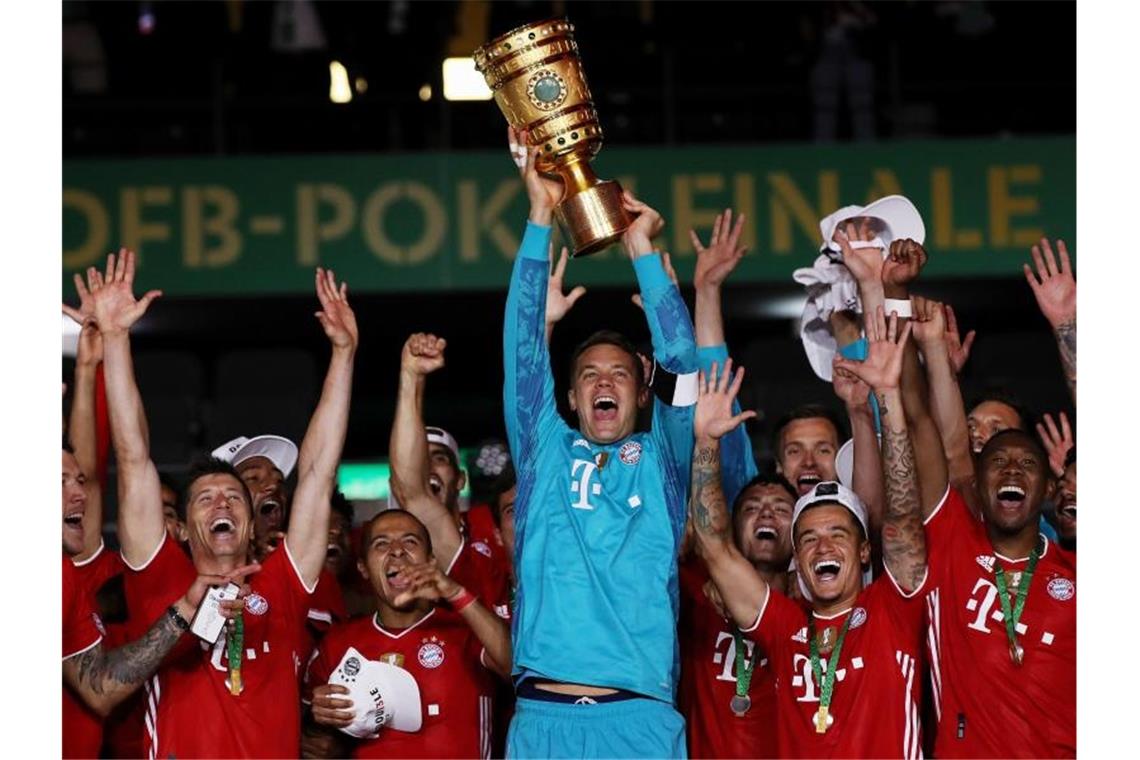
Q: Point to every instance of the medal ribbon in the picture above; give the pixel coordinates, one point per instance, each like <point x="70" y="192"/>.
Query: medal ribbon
<point x="826" y="683"/>
<point x="235" y="641"/>
<point x="743" y="674"/>
<point x="1013" y="616"/>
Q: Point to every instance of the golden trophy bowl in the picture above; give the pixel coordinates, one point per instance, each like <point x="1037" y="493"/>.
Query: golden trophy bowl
<point x="537" y="78"/>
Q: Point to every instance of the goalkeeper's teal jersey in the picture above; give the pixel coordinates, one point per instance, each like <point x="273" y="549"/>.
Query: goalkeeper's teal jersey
<point x="597" y="527"/>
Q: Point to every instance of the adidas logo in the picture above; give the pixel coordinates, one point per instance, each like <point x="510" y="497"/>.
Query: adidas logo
<point x="801" y="635"/>
<point x="585" y="701"/>
<point x="986" y="561"/>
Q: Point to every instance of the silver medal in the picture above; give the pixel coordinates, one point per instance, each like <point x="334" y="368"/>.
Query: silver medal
<point x="740" y="705"/>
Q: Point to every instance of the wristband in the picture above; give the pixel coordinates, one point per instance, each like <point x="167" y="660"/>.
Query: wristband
<point x="900" y="305"/>
<point x="460" y="600"/>
<point x="672" y="388"/>
<point x="181" y="622"/>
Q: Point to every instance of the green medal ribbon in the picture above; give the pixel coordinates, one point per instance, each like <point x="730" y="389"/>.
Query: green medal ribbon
<point x="1016" y="653"/>
<point x="235" y="641"/>
<point x="741" y="702"/>
<point x="826" y="684"/>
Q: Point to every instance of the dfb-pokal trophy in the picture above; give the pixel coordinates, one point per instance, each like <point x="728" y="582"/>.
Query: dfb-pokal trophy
<point x="536" y="75"/>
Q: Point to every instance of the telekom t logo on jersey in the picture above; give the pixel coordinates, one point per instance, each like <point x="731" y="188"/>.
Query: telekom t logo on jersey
<point x="983" y="600"/>
<point x="728" y="658"/>
<point x="582" y="486"/>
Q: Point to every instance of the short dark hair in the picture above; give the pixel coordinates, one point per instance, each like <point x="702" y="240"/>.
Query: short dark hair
<point x="366" y="530"/>
<point x="998" y="437"/>
<point x="1025" y="414"/>
<point x="608" y="338"/>
<point x="771" y="478"/>
<point x="68" y="447"/>
<point x="167" y="481"/>
<point x="807" y="412"/>
<point x="505" y="482"/>
<point x="1071" y="457"/>
<point x="208" y="465"/>
<point x="342" y="506"/>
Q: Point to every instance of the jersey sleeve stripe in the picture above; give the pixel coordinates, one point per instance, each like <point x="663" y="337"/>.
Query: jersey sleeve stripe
<point x="297" y="571"/>
<point x="917" y="589"/>
<point x="760" y="614"/>
<point x="939" y="506"/>
<point x="94" y="556"/>
<point x="87" y="648"/>
<point x="933" y="641"/>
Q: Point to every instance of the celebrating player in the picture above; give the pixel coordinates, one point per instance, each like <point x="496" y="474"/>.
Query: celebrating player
<point x="450" y="656"/>
<point x="599" y="513"/>
<point x="241" y="696"/>
<point x="850" y="663"/>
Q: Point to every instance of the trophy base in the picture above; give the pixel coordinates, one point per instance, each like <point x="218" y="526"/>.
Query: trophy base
<point x="593" y="219"/>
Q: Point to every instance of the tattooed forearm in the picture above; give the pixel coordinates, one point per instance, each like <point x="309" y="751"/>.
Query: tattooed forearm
<point x="706" y="500"/>
<point x="1067" y="344"/>
<point x="904" y="542"/>
<point x="110" y="675"/>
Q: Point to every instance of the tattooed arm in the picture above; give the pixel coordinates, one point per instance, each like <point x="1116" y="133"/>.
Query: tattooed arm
<point x="904" y="542"/>
<point x="1055" y="289"/>
<point x="103" y="678"/>
<point x="743" y="590"/>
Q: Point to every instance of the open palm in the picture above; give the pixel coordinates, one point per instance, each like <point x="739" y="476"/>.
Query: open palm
<point x="1054" y="286"/>
<point x="882" y="368"/>
<point x="713" y="417"/>
<point x="336" y="316"/>
<point x="113" y="303"/>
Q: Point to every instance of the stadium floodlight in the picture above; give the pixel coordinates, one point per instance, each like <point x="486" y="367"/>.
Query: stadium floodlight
<point x="339" y="89"/>
<point x="462" y="82"/>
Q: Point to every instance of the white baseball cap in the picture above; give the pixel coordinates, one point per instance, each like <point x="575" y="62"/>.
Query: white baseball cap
<point x="832" y="492"/>
<point x="281" y="451"/>
<point x="845" y="462"/>
<point x="443" y="438"/>
<point x="382" y="695"/>
<point x="900" y="218"/>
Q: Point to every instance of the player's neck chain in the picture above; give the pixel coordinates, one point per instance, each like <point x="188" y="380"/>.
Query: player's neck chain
<point x="823" y="718"/>
<point x="1012" y="613"/>
<point x="741" y="702"/>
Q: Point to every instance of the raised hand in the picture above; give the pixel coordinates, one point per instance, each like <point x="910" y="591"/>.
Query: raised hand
<point x="331" y="706"/>
<point x="713" y="417"/>
<point x="112" y="302"/>
<point x="544" y="193"/>
<point x="882" y="368"/>
<point x="336" y="316"/>
<point x="852" y="391"/>
<point x="90" y="348"/>
<point x="422" y="354"/>
<point x="1054" y="287"/>
<point x="928" y="320"/>
<point x="667" y="265"/>
<point x="558" y="304"/>
<point x="716" y="262"/>
<point x="958" y="349"/>
<point x="425" y="581"/>
<point x="903" y="263"/>
<point x="865" y="264"/>
<point x="646" y="225"/>
<point x="1057" y="443"/>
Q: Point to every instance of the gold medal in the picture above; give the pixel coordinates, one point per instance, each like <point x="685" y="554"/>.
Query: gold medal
<point x="1016" y="653"/>
<point x="235" y="682"/>
<point x="823" y="720"/>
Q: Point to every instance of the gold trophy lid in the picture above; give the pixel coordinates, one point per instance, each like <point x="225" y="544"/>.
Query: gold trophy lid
<point x="520" y="39"/>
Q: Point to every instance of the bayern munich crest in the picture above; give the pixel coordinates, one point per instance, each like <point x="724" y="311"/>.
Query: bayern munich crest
<point x="256" y="604"/>
<point x="351" y="667"/>
<point x="1061" y="589"/>
<point x="630" y="453"/>
<point x="431" y="655"/>
<point x="482" y="548"/>
<point x="858" y="617"/>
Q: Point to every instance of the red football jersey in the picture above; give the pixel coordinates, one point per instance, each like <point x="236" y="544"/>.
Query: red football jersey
<point x="476" y="570"/>
<point x="445" y="657"/>
<point x="190" y="711"/>
<point x="99" y="568"/>
<point x="987" y="706"/>
<point x="708" y="679"/>
<point x="82" y="630"/>
<point x="877" y="688"/>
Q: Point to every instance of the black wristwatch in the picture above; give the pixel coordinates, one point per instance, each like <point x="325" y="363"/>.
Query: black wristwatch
<point x="173" y="614"/>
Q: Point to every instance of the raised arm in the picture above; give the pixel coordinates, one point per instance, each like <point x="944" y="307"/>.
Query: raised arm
<point x="408" y="448"/>
<point x="1055" y="289"/>
<point x="141" y="524"/>
<point x="308" y="532"/>
<point x="529" y="408"/>
<point x="903" y="538"/>
<point x="867" y="469"/>
<point x="82" y="426"/>
<point x="103" y="678"/>
<point x="741" y="588"/>
<point x="714" y="264"/>
<point x="428" y="581"/>
<point x="948" y="410"/>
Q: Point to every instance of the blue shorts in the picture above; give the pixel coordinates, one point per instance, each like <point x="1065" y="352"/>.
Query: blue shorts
<point x="629" y="728"/>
